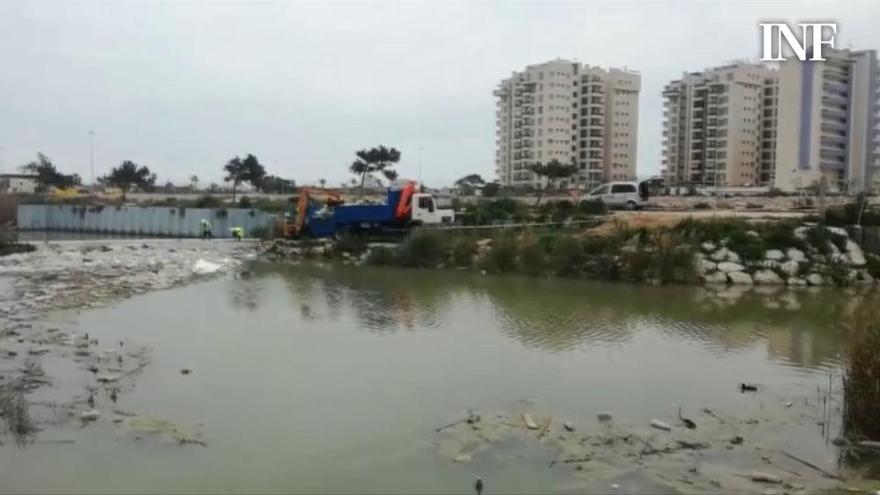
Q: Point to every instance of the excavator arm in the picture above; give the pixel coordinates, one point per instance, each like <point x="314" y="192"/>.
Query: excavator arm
<point x="294" y="228"/>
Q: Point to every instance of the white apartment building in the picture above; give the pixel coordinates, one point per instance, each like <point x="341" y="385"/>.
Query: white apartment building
<point x="719" y="127"/>
<point x="18" y="183"/>
<point x="828" y="121"/>
<point x="576" y="114"/>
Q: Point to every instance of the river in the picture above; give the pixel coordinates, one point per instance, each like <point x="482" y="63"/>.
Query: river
<point x="333" y="379"/>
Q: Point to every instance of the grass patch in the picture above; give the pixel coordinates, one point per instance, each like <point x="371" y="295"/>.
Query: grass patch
<point x="8" y="247"/>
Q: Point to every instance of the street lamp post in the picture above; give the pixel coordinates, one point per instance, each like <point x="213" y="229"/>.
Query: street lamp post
<point x="2" y="163"/>
<point x="420" y="166"/>
<point x="92" y="155"/>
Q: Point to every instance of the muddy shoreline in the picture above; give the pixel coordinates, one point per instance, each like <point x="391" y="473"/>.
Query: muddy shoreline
<point x="42" y="345"/>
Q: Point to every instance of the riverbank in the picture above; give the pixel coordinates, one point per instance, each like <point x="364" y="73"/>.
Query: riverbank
<point x="43" y="288"/>
<point x="714" y="251"/>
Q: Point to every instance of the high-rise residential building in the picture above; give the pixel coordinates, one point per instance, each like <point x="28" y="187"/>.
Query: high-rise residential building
<point x="828" y="121"/>
<point x="719" y="127"/>
<point x="576" y="114"/>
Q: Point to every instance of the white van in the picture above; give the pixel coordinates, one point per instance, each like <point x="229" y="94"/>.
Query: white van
<point x="629" y="195"/>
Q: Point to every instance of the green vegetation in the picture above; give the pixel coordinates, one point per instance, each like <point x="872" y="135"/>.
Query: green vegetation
<point x="7" y="248"/>
<point x="127" y="175"/>
<point x="47" y="175"/>
<point x="375" y="160"/>
<point x="861" y="390"/>
<point x="853" y="214"/>
<point x="248" y="170"/>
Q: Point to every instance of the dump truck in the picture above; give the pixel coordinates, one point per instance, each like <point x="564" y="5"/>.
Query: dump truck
<point x="325" y="214"/>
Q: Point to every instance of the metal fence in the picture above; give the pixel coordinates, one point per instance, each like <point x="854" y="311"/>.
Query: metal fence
<point x="165" y="221"/>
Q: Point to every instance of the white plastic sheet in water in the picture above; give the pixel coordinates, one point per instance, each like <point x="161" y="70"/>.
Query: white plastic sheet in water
<point x="204" y="267"/>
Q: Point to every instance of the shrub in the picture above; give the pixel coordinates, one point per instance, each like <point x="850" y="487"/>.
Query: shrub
<point x="502" y="256"/>
<point x="7" y="248"/>
<point x="781" y="236"/>
<point x="208" y="201"/>
<point x="567" y="255"/>
<point x="348" y="243"/>
<point x="592" y="207"/>
<point x="245" y="202"/>
<point x="821" y="238"/>
<point x="532" y="259"/>
<point x="423" y="248"/>
<point x="463" y="250"/>
<point x="861" y="392"/>
<point x="873" y="265"/>
<point x="749" y="247"/>
<point x="381" y="256"/>
<point x="702" y="205"/>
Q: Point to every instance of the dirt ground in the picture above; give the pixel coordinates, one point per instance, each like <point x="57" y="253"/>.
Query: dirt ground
<point x="651" y="219"/>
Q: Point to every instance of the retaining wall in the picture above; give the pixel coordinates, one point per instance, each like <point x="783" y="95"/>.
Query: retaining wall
<point x="137" y="220"/>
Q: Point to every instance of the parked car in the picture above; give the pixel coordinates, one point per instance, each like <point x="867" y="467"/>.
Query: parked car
<point x="629" y="195"/>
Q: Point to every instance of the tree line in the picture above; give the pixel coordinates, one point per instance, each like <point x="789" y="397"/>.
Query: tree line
<point x="368" y="162"/>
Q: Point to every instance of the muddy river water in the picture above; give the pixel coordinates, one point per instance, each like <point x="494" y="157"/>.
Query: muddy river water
<point x="334" y="379"/>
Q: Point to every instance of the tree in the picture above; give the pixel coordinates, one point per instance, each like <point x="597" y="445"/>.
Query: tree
<point x="272" y="184"/>
<point x="127" y="175"/>
<point x="552" y="171"/>
<point x="491" y="189"/>
<point x="322" y="183"/>
<point x="239" y="171"/>
<point x="375" y="160"/>
<point x="194" y="182"/>
<point x="468" y="183"/>
<point x="47" y="175"/>
<point x="169" y="187"/>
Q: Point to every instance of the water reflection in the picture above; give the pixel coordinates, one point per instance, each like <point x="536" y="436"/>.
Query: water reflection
<point x="797" y="327"/>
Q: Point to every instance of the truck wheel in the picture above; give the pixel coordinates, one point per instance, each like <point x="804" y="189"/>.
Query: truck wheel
<point x="631" y="205"/>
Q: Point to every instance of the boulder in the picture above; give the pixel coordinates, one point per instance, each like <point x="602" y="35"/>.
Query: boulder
<point x="768" y="264"/>
<point x="767" y="277"/>
<point x="795" y="254"/>
<point x="732" y="257"/>
<point x="715" y="278"/>
<point x="865" y="278"/>
<point x="774" y="255"/>
<point x="729" y="266"/>
<point x="838" y="231"/>
<point x="720" y="255"/>
<point x="801" y="232"/>
<point x="854" y="254"/>
<point x="740" y="278"/>
<point x="790" y="267"/>
<point x="796" y="282"/>
<point x="706" y="266"/>
<point x="815" y="279"/>
<point x="708" y="246"/>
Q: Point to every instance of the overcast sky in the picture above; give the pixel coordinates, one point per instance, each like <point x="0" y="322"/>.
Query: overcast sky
<point x="182" y="87"/>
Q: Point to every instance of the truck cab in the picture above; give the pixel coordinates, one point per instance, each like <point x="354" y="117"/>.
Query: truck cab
<point x="426" y="212"/>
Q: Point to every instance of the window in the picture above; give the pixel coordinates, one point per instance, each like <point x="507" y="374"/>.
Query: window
<point x="623" y="188"/>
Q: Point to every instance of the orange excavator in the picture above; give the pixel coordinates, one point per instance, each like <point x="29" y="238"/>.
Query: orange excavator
<point x="293" y="220"/>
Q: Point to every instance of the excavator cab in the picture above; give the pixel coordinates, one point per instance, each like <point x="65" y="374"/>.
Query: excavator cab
<point x="296" y="212"/>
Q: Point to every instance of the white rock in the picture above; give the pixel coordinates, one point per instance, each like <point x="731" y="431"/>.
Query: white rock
<point x="866" y="277"/>
<point x="833" y="248"/>
<point x="728" y="267"/>
<point x="706" y="266"/>
<point x="855" y="254"/>
<point x="660" y="425"/>
<point x="815" y="279"/>
<point x="774" y="255"/>
<point x="767" y="277"/>
<point x="203" y="267"/>
<point x="720" y="255"/>
<point x="530" y="423"/>
<point x="801" y="232"/>
<point x="796" y="282"/>
<point x="90" y="415"/>
<point x="715" y="278"/>
<point x="838" y="231"/>
<point x="463" y="458"/>
<point x="708" y="246"/>
<point x="795" y="254"/>
<point x="790" y="267"/>
<point x="740" y="278"/>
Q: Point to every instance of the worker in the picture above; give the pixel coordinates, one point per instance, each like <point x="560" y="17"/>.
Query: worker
<point x="206" y="229"/>
<point x="237" y="233"/>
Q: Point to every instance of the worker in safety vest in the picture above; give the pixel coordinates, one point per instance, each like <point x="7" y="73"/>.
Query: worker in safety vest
<point x="206" y="229"/>
<point x="237" y="233"/>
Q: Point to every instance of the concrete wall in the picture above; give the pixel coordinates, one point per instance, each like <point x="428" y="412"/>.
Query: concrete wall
<point x="136" y="220"/>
